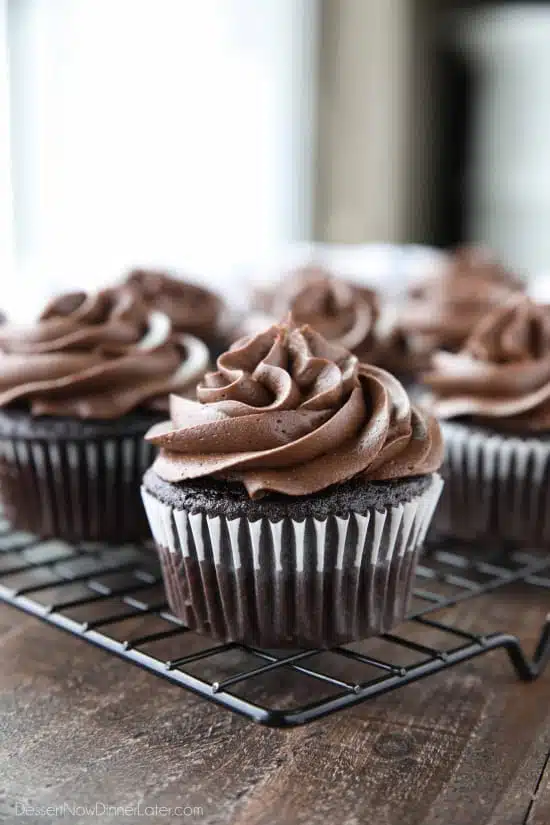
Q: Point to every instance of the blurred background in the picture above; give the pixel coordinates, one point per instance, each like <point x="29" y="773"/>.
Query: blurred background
<point x="205" y="134"/>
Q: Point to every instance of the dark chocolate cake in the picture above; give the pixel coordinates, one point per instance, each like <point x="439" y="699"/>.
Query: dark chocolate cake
<point x="289" y="502"/>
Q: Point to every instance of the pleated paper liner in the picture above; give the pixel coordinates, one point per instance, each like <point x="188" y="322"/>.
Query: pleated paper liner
<point x="496" y="486"/>
<point x="291" y="583"/>
<point x="86" y="489"/>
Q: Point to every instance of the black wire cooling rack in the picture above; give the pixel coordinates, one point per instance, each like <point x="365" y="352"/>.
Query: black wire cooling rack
<point x="113" y="598"/>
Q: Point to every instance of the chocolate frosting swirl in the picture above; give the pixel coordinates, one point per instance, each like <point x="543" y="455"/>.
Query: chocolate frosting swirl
<point x="288" y="412"/>
<point x="191" y="308"/>
<point x="96" y="356"/>
<point x="341" y="312"/>
<point x="503" y="372"/>
<point x="442" y="310"/>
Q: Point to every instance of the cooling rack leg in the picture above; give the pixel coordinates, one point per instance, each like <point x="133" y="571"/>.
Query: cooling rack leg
<point x="526" y="669"/>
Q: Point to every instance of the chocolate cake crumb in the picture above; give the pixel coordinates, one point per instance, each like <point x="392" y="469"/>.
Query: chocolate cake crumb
<point x="217" y="497"/>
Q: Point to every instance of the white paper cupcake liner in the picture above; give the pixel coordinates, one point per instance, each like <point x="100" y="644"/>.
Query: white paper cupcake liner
<point x="282" y="583"/>
<point x="496" y="486"/>
<point x="75" y="489"/>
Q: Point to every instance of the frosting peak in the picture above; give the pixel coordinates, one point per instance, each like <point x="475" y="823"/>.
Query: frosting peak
<point x="340" y="311"/>
<point x="517" y="331"/>
<point x="191" y="308"/>
<point x="96" y="355"/>
<point x="503" y="372"/>
<point x="442" y="310"/>
<point x="288" y="412"/>
<point x="471" y="262"/>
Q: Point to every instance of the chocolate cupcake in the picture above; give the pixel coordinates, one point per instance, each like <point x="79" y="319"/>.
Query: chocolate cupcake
<point x="342" y="312"/>
<point x="78" y="391"/>
<point x="441" y="311"/>
<point x="288" y="504"/>
<point x="192" y="309"/>
<point x="494" y="401"/>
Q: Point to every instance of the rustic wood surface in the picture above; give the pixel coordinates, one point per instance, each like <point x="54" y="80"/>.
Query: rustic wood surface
<point x="467" y="747"/>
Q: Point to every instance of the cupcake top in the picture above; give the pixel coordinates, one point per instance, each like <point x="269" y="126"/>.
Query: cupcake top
<point x="191" y="308"/>
<point x="441" y="311"/>
<point x="341" y="312"/>
<point x="98" y="356"/>
<point x="502" y="375"/>
<point x="288" y="412"/>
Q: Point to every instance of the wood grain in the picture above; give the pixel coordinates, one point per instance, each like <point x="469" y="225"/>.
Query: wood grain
<point x="539" y="809"/>
<point x="466" y="747"/>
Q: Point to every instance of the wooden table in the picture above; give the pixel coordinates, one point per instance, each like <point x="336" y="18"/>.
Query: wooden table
<point x="467" y="747"/>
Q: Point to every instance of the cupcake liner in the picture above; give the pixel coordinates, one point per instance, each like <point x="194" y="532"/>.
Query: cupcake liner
<point x="85" y="489"/>
<point x="496" y="486"/>
<point x="286" y="583"/>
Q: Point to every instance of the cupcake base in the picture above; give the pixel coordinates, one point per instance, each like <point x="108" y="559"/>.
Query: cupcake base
<point x="72" y="479"/>
<point x="311" y="571"/>
<point x="497" y="486"/>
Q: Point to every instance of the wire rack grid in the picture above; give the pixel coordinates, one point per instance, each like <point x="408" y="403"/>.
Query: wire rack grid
<point x="113" y="598"/>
